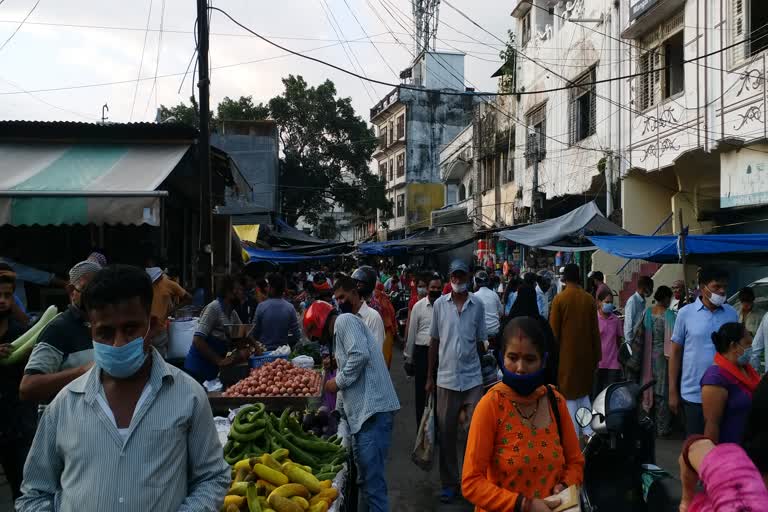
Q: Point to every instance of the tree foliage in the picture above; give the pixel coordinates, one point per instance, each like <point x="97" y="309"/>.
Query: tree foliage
<point x="326" y="149"/>
<point x="242" y="109"/>
<point x="182" y="113"/>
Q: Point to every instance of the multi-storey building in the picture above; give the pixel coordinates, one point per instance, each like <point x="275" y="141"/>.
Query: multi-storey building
<point x="694" y="118"/>
<point x="566" y="121"/>
<point x="413" y="126"/>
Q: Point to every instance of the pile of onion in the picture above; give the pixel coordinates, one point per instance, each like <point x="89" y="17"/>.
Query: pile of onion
<point x="278" y="378"/>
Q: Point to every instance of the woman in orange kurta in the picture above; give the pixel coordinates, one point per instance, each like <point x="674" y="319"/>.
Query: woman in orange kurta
<point x="515" y="456"/>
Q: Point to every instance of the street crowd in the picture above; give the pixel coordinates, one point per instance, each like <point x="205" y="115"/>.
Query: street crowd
<point x="96" y="419"/>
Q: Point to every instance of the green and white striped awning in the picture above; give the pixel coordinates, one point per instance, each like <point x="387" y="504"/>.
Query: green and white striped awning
<point x="61" y="184"/>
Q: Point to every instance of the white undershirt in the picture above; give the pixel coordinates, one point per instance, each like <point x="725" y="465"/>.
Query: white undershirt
<point x="101" y="398"/>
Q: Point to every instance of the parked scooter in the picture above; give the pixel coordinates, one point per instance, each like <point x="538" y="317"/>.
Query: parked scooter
<point x="620" y="471"/>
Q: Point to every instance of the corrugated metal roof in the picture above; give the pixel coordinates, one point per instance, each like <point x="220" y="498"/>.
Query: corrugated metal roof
<point x="68" y="130"/>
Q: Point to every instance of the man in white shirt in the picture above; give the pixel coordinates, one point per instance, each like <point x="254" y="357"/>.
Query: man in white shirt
<point x="491" y="303"/>
<point x="349" y="301"/>
<point x="417" y="345"/>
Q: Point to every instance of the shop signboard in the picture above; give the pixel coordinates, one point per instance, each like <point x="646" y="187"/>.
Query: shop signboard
<point x="744" y="178"/>
<point x="639" y="7"/>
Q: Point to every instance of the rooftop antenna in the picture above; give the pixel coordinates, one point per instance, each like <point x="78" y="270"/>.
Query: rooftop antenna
<point x="425" y="17"/>
<point x="104" y="110"/>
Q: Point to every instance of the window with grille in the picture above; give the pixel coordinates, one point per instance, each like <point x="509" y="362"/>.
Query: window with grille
<point x="748" y="24"/>
<point x="400" y="165"/>
<point x="582" y="107"/>
<point x="674" y="72"/>
<point x="401" y="126"/>
<point x="382" y="137"/>
<point x="661" y="66"/>
<point x="391" y="169"/>
<point x="401" y="205"/>
<point x="525" y="35"/>
<point x="536" y="141"/>
<point x="383" y="170"/>
<point x="391" y="132"/>
<point x="489" y="172"/>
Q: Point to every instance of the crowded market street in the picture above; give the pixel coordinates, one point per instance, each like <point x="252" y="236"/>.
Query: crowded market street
<point x="411" y="489"/>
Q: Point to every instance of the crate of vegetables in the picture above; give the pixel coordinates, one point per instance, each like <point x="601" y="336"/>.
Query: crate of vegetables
<point x="277" y="384"/>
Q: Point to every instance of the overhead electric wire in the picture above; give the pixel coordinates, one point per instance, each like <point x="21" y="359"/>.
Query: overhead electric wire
<point x="389" y="30"/>
<point x="157" y="60"/>
<point x="323" y="6"/>
<point x="45" y="102"/>
<point x="21" y="24"/>
<point x="141" y="61"/>
<point x="359" y="23"/>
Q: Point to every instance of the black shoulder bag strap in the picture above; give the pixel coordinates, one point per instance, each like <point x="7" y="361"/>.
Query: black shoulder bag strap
<point x="555" y="411"/>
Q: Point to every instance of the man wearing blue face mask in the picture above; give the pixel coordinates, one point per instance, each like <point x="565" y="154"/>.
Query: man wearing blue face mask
<point x="133" y="433"/>
<point x="458" y="325"/>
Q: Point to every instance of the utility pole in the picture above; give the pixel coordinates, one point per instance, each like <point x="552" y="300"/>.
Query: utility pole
<point x="609" y="184"/>
<point x="204" y="148"/>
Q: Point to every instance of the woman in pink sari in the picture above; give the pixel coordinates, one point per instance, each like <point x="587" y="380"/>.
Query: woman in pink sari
<point x="733" y="476"/>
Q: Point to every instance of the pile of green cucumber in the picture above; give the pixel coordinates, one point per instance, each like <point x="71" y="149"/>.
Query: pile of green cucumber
<point x="254" y="432"/>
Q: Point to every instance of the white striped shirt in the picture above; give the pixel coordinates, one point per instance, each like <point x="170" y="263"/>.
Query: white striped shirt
<point x="171" y="460"/>
<point x="363" y="378"/>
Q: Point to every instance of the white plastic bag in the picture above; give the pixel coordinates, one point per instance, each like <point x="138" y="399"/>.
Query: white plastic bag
<point x="423" y="454"/>
<point x="303" y="362"/>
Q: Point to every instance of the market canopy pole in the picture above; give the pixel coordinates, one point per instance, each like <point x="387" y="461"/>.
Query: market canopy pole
<point x="204" y="147"/>
<point x="682" y="252"/>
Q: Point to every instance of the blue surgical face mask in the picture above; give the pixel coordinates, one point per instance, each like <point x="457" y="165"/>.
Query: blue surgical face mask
<point x="745" y="356"/>
<point x="526" y="384"/>
<point x="120" y="362"/>
<point x="608" y="308"/>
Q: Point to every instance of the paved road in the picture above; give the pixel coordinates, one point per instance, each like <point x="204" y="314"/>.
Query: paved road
<point x="411" y="489"/>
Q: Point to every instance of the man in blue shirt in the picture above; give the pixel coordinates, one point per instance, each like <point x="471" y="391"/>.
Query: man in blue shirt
<point x="458" y="325"/>
<point x="275" y="320"/>
<point x="692" y="349"/>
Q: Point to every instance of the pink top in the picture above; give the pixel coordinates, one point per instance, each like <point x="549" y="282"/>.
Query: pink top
<point x="611" y="329"/>
<point x="732" y="482"/>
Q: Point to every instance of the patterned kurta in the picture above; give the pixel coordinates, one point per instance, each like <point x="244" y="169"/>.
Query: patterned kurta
<point x="507" y="458"/>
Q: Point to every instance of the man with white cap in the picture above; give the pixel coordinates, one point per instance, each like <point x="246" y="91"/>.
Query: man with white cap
<point x="64" y="350"/>
<point x="167" y="296"/>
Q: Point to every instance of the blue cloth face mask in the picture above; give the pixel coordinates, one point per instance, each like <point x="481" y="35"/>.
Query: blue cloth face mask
<point x="120" y="362"/>
<point x="608" y="308"/>
<point x="526" y="384"/>
<point x="745" y="357"/>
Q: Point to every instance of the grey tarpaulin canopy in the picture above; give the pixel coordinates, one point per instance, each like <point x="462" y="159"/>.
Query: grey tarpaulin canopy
<point x="568" y="232"/>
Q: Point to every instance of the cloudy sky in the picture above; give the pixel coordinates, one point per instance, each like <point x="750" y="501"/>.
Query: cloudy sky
<point x="74" y="44"/>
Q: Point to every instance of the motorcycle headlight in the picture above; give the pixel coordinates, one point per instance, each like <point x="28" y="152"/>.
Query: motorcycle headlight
<point x="620" y="399"/>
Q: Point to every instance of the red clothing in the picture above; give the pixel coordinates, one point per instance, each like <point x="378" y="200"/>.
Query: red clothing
<point x="381" y="303"/>
<point x="507" y="457"/>
<point x="414" y="298"/>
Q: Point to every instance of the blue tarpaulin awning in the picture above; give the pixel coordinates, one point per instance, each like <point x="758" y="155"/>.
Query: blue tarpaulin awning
<point x="281" y="257"/>
<point x="667" y="248"/>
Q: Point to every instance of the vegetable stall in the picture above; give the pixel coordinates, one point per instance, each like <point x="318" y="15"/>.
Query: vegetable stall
<point x="281" y="443"/>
